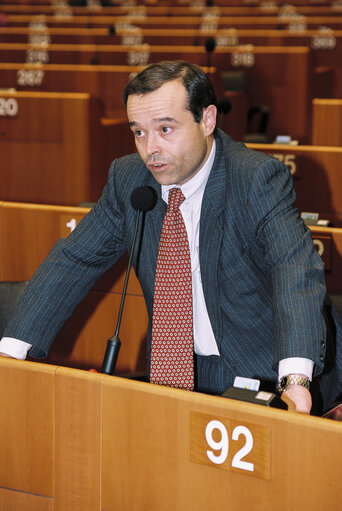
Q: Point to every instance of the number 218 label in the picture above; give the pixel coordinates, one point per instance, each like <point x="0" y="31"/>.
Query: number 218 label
<point x="230" y="444"/>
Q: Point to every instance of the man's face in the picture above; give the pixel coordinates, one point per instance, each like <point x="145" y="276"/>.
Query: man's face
<point x="170" y="142"/>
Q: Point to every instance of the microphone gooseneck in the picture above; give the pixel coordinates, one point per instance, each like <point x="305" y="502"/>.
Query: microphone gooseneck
<point x="210" y="45"/>
<point x="142" y="199"/>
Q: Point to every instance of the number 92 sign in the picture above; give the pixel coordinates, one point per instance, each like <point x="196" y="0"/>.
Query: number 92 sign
<point x="229" y="444"/>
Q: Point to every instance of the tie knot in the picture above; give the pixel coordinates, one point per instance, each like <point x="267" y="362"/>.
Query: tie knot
<point x="176" y="197"/>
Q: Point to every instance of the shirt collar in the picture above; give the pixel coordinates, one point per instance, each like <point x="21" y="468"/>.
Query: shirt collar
<point x="196" y="183"/>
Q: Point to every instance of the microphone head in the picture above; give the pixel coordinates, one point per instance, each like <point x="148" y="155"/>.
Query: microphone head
<point x="224" y="106"/>
<point x="210" y="44"/>
<point x="143" y="198"/>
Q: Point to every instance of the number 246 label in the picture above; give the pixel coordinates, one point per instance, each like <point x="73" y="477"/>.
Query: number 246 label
<point x="230" y="444"/>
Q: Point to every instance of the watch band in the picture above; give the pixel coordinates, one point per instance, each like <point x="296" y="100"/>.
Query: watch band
<point x="293" y="379"/>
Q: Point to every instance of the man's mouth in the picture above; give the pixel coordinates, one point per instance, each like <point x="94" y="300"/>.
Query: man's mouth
<point x="156" y="166"/>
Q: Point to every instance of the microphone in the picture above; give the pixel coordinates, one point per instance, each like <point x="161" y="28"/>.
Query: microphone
<point x="210" y="45"/>
<point x="111" y="30"/>
<point x="143" y="199"/>
<point x="224" y="106"/>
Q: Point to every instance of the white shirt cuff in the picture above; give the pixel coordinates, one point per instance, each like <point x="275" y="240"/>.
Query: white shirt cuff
<point x="296" y="365"/>
<point x="14" y="347"/>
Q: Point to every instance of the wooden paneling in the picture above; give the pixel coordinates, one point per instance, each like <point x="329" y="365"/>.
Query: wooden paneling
<point x="327" y="122"/>
<point x="77" y="461"/>
<point x="328" y="242"/>
<point x="118" y="444"/>
<point x="155" y="451"/>
<point x="317" y="177"/>
<point x="27" y="233"/>
<point x="11" y="500"/>
<point x="26" y="441"/>
<point x="51" y="148"/>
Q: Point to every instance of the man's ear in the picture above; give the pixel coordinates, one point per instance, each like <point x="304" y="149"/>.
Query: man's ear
<point x="209" y="119"/>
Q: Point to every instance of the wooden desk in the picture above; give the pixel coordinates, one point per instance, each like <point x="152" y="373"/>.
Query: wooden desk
<point x="327" y="122"/>
<point x="328" y="242"/>
<point x="317" y="177"/>
<point x="94" y="80"/>
<point x="78" y="441"/>
<point x="52" y="147"/>
<point x="28" y="232"/>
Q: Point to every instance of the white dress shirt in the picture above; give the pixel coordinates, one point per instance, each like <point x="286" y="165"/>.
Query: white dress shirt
<point x="204" y="340"/>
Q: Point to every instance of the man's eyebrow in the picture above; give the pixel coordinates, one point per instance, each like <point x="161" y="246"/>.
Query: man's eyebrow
<point x="158" y="121"/>
<point x="166" y="119"/>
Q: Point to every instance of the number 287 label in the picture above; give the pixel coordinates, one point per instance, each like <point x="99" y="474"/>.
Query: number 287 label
<point x="229" y="444"/>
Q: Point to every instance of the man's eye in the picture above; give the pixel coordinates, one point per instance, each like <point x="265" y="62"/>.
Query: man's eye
<point x="166" y="129"/>
<point x="138" y="133"/>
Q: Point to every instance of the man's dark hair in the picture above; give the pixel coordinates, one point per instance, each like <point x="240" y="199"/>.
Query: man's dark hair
<point x="200" y="90"/>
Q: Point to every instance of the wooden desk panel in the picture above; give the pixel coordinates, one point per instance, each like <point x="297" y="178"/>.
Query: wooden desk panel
<point x="28" y="232"/>
<point x="327" y="122"/>
<point x="328" y="242"/>
<point x="122" y="444"/>
<point x="317" y="177"/>
<point x="155" y="451"/>
<point x="51" y="148"/>
<point x="97" y="81"/>
<point x="26" y="417"/>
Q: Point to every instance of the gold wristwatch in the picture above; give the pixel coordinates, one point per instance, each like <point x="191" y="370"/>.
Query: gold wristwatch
<point x="293" y="379"/>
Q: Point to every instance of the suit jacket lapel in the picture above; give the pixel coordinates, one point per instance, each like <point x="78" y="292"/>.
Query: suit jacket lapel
<point x="211" y="232"/>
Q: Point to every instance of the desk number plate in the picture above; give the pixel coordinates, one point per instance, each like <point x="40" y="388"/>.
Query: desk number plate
<point x="230" y="444"/>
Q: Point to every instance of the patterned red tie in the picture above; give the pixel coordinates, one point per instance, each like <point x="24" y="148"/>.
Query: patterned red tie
<point x="172" y="359"/>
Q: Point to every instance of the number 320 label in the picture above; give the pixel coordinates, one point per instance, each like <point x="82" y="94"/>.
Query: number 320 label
<point x="230" y="445"/>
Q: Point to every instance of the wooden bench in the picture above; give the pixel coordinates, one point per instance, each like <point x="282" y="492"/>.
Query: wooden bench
<point x="317" y="177"/>
<point x="28" y="232"/>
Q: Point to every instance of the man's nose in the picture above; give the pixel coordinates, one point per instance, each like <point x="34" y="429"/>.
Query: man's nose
<point x="152" y="145"/>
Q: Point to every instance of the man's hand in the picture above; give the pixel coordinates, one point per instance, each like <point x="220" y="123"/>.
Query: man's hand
<point x="301" y="397"/>
<point x="5" y="355"/>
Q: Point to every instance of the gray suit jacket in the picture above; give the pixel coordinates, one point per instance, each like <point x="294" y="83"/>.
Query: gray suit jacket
<point x="263" y="280"/>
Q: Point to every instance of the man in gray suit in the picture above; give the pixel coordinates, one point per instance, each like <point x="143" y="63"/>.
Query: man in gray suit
<point x="258" y="282"/>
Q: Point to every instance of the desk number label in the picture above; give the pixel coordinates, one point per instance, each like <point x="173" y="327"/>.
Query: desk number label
<point x="30" y="77"/>
<point x="8" y="107"/>
<point x="230" y="445"/>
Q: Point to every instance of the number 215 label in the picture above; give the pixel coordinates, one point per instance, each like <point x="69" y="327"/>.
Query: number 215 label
<point x="230" y="444"/>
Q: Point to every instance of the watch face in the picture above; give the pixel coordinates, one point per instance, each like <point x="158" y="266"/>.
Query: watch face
<point x="283" y="382"/>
